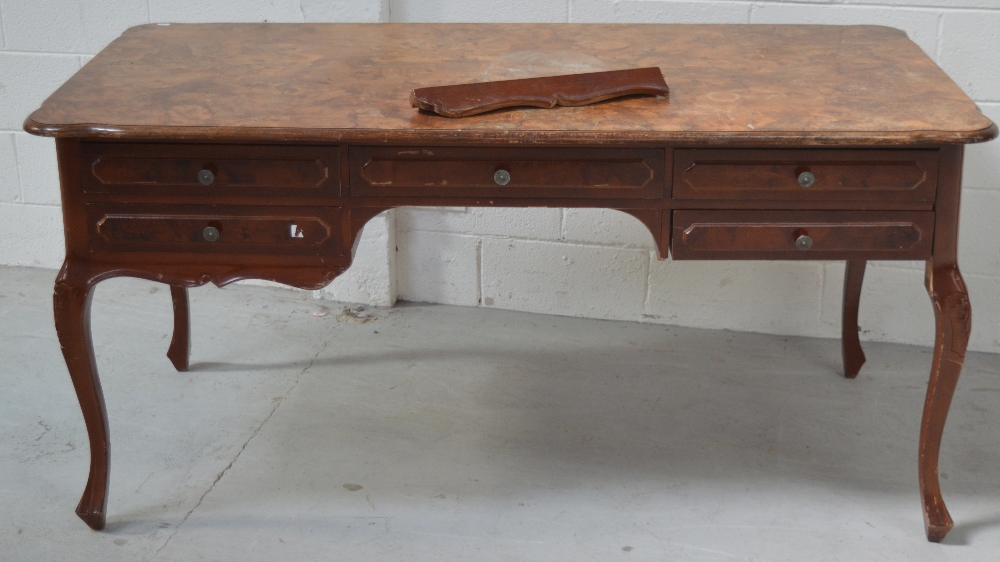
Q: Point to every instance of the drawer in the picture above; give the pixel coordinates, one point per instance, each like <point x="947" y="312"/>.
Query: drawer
<point x="211" y="229"/>
<point x="827" y="235"/>
<point x="508" y="172"/>
<point x="193" y="170"/>
<point x="810" y="174"/>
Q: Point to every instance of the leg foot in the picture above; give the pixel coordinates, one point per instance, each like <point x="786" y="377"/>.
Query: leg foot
<point x="953" y="319"/>
<point x="71" y="299"/>
<point x="180" y="346"/>
<point x="854" y="356"/>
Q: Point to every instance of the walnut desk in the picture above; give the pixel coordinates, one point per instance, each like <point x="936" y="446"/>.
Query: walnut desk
<point x="204" y="153"/>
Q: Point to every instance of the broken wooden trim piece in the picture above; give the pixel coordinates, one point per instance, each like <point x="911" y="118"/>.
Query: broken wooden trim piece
<point x="463" y="100"/>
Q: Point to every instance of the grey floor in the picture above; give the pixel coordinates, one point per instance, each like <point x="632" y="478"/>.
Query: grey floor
<point x="430" y="432"/>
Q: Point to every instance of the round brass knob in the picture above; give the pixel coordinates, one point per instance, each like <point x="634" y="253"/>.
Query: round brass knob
<point x="210" y="233"/>
<point x="807" y="179"/>
<point x="206" y="177"/>
<point x="804" y="242"/>
<point x="502" y="177"/>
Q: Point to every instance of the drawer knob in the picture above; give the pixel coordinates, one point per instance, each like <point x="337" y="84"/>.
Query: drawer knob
<point x="807" y="179"/>
<point x="803" y="242"/>
<point x="206" y="177"/>
<point x="502" y="177"/>
<point x="210" y="233"/>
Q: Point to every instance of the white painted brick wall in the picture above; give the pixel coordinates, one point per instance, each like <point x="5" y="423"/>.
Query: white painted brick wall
<point x="439" y="267"/>
<point x="920" y="25"/>
<point x="46" y="41"/>
<point x="473" y="11"/>
<point x="644" y="11"/>
<point x="582" y="262"/>
<point x="372" y="277"/>
<point x="10" y="183"/>
<point x="555" y="278"/>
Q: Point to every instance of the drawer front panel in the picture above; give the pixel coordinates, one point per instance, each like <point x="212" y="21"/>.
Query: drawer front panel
<point x="208" y="229"/>
<point x="508" y="172"/>
<point x="813" y="174"/>
<point x="802" y="234"/>
<point x="201" y="170"/>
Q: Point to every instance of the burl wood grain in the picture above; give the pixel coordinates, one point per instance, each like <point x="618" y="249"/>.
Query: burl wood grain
<point x="570" y="90"/>
<point x="779" y="84"/>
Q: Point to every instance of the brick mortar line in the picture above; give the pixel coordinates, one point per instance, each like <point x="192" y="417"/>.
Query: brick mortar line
<point x="17" y="167"/>
<point x="547" y="240"/>
<point x="23" y="204"/>
<point x="889" y="266"/>
<point x="939" y="38"/>
<point x="45" y="53"/>
<point x="915" y="7"/>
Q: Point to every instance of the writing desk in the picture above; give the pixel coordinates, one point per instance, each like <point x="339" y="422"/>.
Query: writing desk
<point x="191" y="154"/>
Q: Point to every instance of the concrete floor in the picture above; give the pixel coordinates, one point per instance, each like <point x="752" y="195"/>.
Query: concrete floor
<point x="431" y="432"/>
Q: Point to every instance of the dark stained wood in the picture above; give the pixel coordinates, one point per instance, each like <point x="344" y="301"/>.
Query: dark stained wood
<point x="307" y="135"/>
<point x="879" y="175"/>
<point x="179" y="352"/>
<point x="569" y="172"/>
<point x="854" y="356"/>
<point x="137" y="169"/>
<point x="730" y="84"/>
<point x="71" y="303"/>
<point x="834" y="235"/>
<point x="252" y="230"/>
<point x="953" y="316"/>
<point x="569" y="90"/>
<point x="953" y="323"/>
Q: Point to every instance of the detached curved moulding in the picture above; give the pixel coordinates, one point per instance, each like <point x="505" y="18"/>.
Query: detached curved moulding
<point x="465" y="100"/>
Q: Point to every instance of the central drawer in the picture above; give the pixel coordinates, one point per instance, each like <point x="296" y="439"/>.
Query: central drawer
<point x="215" y="229"/>
<point x="507" y="172"/>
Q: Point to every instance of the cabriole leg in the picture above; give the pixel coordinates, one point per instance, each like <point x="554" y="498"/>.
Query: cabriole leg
<point x="854" y="356"/>
<point x="953" y="319"/>
<point x="71" y="300"/>
<point x="180" y="346"/>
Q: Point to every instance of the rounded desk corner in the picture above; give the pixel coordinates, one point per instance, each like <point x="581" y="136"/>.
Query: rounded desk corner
<point x="985" y="134"/>
<point x="144" y="26"/>
<point x="38" y="128"/>
<point x="887" y="29"/>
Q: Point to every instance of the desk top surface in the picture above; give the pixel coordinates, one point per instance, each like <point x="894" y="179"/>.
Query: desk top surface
<point x="745" y="84"/>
